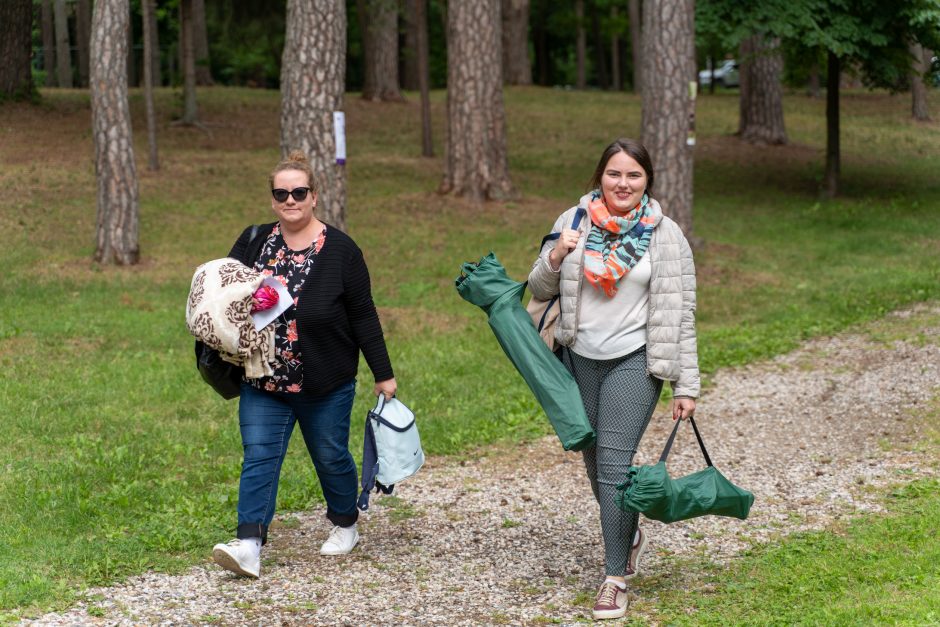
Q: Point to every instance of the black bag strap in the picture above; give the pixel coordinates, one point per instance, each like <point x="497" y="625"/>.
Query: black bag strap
<point x="672" y="438"/>
<point x="580" y="213"/>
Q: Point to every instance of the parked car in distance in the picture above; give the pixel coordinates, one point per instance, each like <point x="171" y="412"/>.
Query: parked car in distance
<point x="726" y="74"/>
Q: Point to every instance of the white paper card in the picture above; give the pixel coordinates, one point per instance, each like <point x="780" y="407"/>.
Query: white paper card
<point x="339" y="128"/>
<point x="284" y="302"/>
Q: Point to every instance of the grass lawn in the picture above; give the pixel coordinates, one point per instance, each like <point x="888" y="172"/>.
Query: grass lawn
<point x="117" y="458"/>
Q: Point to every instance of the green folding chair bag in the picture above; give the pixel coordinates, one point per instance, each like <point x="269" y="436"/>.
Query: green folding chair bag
<point x="487" y="285"/>
<point x="651" y="491"/>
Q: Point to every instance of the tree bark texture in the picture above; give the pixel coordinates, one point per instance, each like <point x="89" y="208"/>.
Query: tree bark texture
<point x="517" y="70"/>
<point x="761" y="93"/>
<point x="16" y="48"/>
<point x="832" y="126"/>
<point x="616" y="82"/>
<point x="636" y="44"/>
<point x="47" y="25"/>
<point x="919" y="110"/>
<point x="201" y="44"/>
<point x="380" y="48"/>
<point x="580" y="46"/>
<point x="147" y="10"/>
<point x="424" y="75"/>
<point x="83" y="35"/>
<point x="117" y="222"/>
<point x="669" y="52"/>
<point x="62" y="47"/>
<point x="476" y="160"/>
<point x="187" y="46"/>
<point x="313" y="76"/>
<point x="409" y="54"/>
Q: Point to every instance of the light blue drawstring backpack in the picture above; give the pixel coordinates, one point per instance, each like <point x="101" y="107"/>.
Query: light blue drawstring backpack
<point x="391" y="449"/>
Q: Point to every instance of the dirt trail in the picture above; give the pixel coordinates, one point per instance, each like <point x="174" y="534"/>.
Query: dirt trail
<point x="513" y="537"/>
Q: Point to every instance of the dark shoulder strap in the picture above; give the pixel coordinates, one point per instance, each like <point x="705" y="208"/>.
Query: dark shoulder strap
<point x="580" y="213"/>
<point x="256" y="240"/>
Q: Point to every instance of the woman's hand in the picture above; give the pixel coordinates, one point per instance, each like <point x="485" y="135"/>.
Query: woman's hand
<point x="565" y="243"/>
<point x="683" y="408"/>
<point x="387" y="387"/>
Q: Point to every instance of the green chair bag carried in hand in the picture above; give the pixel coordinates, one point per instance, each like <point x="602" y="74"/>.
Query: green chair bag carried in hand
<point x="651" y="491"/>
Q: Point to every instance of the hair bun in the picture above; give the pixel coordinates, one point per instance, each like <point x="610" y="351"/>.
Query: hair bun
<point x="299" y="156"/>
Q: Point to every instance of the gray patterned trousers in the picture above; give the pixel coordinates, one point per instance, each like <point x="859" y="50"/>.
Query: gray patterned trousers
<point x="619" y="397"/>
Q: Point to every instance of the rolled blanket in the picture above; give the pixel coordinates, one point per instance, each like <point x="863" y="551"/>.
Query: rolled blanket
<point x="218" y="314"/>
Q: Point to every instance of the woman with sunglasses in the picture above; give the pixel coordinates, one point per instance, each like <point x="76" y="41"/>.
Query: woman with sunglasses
<point x="317" y="345"/>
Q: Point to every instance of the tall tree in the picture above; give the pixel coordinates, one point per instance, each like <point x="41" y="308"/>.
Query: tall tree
<point x="62" y="46"/>
<point x="47" y="26"/>
<point x="83" y="36"/>
<point x="668" y="106"/>
<point x="636" y="44"/>
<point x="409" y="52"/>
<point x="188" y="53"/>
<point x="379" y="25"/>
<point x="154" y="30"/>
<point x="201" y="44"/>
<point x="919" y="110"/>
<point x="616" y="82"/>
<point x="117" y="221"/>
<point x="424" y="75"/>
<point x="580" y="46"/>
<point x="313" y="76"/>
<point x="600" y="54"/>
<point x="761" y="98"/>
<point x="147" y="10"/>
<point x="517" y="70"/>
<point x="16" y="43"/>
<point x="132" y="80"/>
<point x="476" y="161"/>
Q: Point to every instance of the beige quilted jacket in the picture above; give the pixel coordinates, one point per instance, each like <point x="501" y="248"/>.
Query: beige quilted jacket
<point x="671" y="351"/>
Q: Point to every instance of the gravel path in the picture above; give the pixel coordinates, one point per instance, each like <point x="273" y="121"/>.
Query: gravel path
<point x="513" y="537"/>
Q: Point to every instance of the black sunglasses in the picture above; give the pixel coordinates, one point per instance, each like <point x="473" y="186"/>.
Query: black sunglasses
<point x="299" y="193"/>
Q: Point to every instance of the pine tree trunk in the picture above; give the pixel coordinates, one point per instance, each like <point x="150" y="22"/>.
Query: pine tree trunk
<point x="832" y="127"/>
<point x="155" y="48"/>
<point x="476" y="161"/>
<point x="761" y="94"/>
<point x="83" y="35"/>
<point x="147" y="11"/>
<point x="636" y="44"/>
<point x="62" y="46"/>
<point x="16" y="49"/>
<point x="381" y="51"/>
<point x="919" y="110"/>
<point x="201" y="44"/>
<point x="409" y="54"/>
<point x="517" y="70"/>
<point x="48" y="43"/>
<point x="187" y="47"/>
<point x="424" y="78"/>
<point x="313" y="76"/>
<point x="669" y="48"/>
<point x="812" y="87"/>
<point x="580" y="46"/>
<point x="117" y="221"/>
<point x="615" y="81"/>
<point x="599" y="53"/>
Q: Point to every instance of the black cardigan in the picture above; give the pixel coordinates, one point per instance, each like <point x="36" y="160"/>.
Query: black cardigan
<point x="335" y="314"/>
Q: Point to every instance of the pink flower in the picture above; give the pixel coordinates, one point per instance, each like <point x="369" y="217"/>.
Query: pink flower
<point x="292" y="331"/>
<point x="293" y="387"/>
<point x="299" y="258"/>
<point x="264" y="298"/>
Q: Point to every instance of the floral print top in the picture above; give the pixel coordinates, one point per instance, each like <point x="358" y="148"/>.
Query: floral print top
<point x="291" y="268"/>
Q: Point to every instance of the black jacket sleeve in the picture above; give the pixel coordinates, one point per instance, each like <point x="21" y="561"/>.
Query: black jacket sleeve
<point x="363" y="317"/>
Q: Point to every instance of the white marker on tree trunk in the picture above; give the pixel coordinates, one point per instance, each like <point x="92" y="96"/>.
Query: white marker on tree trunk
<point x="339" y="127"/>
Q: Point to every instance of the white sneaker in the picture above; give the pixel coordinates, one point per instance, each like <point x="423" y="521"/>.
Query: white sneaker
<point x="341" y="541"/>
<point x="242" y="557"/>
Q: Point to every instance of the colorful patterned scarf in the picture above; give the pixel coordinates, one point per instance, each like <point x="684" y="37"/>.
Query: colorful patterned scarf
<point x="615" y="245"/>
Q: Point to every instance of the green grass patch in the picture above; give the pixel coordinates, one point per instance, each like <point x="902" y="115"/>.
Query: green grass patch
<point x="117" y="459"/>
<point x="876" y="570"/>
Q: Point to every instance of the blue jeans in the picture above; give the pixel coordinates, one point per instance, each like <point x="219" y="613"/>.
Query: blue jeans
<point x="267" y="421"/>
